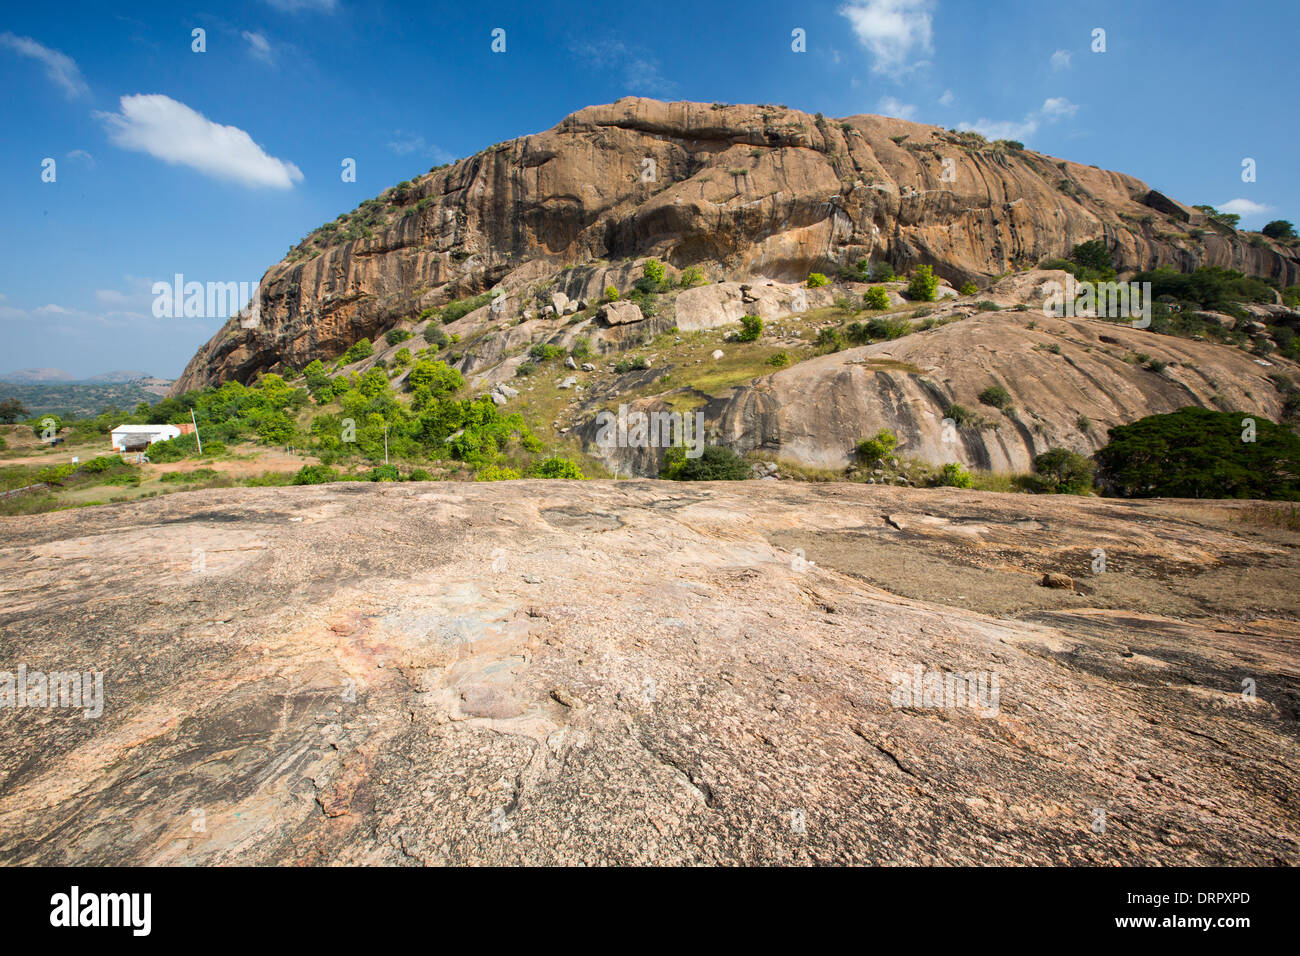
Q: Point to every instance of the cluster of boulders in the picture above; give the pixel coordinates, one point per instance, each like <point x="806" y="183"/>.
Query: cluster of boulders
<point x="500" y="394"/>
<point x="892" y="472"/>
<point x="561" y="304"/>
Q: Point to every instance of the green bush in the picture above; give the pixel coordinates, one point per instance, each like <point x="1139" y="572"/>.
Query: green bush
<point x="393" y="336"/>
<point x="654" y="271"/>
<point x="1061" y="471"/>
<point x="638" y="364"/>
<point x="315" y="475"/>
<point x="881" y="445"/>
<point x="525" y="369"/>
<point x="969" y="288"/>
<point x="463" y="307"/>
<point x="887" y="329"/>
<point x="877" y="297"/>
<point x="816" y="280"/>
<point x="692" y="276"/>
<point x="1198" y="453"/>
<point x="923" y="284"/>
<point x="1279" y="229"/>
<point x="716" y="463"/>
<point x="439" y="377"/>
<point x="359" y="350"/>
<point x="496" y="473"/>
<point x="541" y="352"/>
<point x="611" y="293"/>
<point x="961" y="416"/>
<point x="383" y="473"/>
<point x="751" y="328"/>
<point x="557" y="467"/>
<point x="953" y="475"/>
<point x="778" y="359"/>
<point x="436" y="336"/>
<point x="883" y="272"/>
<point x="996" y="396"/>
<point x="832" y="340"/>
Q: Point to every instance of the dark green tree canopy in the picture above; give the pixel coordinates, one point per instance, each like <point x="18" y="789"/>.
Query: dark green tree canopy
<point x="1199" y="453"/>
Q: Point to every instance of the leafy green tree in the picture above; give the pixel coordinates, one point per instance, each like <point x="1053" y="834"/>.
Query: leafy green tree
<point x="11" y="410"/>
<point x="923" y="285"/>
<point x="1279" y="229"/>
<point x="751" y="327"/>
<point x="816" y="280"/>
<point x="1093" y="256"/>
<point x="881" y="445"/>
<point x="1199" y="453"/>
<point x="716" y="463"/>
<point x="359" y="350"/>
<point x="953" y="475"/>
<point x="557" y="467"/>
<point x="1064" y="472"/>
<point x="877" y="297"/>
<point x="692" y="276"/>
<point x="438" y="377"/>
<point x="654" y="271"/>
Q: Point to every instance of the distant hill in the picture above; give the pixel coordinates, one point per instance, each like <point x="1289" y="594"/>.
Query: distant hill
<point x="38" y="376"/>
<point x="80" y="399"/>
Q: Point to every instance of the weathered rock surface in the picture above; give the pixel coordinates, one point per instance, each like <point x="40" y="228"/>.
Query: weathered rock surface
<point x="641" y="672"/>
<point x="751" y="190"/>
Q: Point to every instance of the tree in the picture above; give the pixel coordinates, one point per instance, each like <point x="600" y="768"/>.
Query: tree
<point x="751" y="329"/>
<point x="654" y="271"/>
<point x="557" y="467"/>
<point x="876" y="298"/>
<point x="1199" y="453"/>
<point x="1094" y="256"/>
<point x="439" y="377"/>
<point x="880" y="446"/>
<point x="816" y="280"/>
<point x="923" y="285"/>
<point x="1061" y="471"/>
<point x="716" y="463"/>
<point x="1279" y="229"/>
<point x="11" y="409"/>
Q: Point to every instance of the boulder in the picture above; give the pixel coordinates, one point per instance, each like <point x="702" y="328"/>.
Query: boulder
<point x="620" y="313"/>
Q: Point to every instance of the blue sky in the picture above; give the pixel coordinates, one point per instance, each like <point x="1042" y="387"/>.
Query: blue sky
<point x="213" y="164"/>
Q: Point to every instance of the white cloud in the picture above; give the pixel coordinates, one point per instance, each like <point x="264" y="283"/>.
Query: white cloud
<point x="890" y="106"/>
<point x="404" y="144"/>
<point x="1058" y="107"/>
<point x="1054" y="109"/>
<point x="171" y="131"/>
<point x="1244" y="208"/>
<point x="640" y="70"/>
<point x="891" y="30"/>
<point x="60" y="69"/>
<point x="258" y="47"/>
<point x="947" y="99"/>
<point x="81" y="156"/>
<point x="310" y="6"/>
<point x="1061" y="60"/>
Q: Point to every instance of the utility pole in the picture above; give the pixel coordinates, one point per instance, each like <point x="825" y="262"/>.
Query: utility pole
<point x="196" y="431"/>
<point x="385" y="444"/>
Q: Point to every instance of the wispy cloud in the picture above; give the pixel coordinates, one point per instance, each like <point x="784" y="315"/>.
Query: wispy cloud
<point x="1054" y="109"/>
<point x="947" y="99"/>
<point x="639" y="69"/>
<point x="892" y="31"/>
<point x="81" y="156"/>
<point x="890" y="106"/>
<point x="305" y="6"/>
<point x="171" y="131"/>
<point x="60" y="69"/>
<point x="405" y="144"/>
<point x="1061" y="60"/>
<point x="259" y="48"/>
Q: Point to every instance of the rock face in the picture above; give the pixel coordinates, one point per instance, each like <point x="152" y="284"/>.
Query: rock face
<point x="752" y="191"/>
<point x="644" y="672"/>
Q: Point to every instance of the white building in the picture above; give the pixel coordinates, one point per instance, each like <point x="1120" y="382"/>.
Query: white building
<point x="138" y="437"/>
